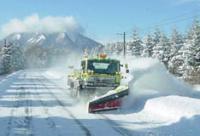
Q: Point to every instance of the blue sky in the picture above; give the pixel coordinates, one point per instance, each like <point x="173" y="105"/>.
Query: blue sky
<point x="102" y="19"/>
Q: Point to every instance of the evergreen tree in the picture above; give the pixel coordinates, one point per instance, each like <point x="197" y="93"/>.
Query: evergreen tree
<point x="176" y="42"/>
<point x="136" y="45"/>
<point x="194" y="45"/>
<point x="157" y="48"/>
<point x="148" y="46"/>
<point x="156" y="36"/>
<point x="177" y="64"/>
<point x="192" y="50"/>
<point x="17" y="58"/>
<point x="177" y="61"/>
<point x="1" y="61"/>
<point x="162" y="50"/>
<point x="6" y="58"/>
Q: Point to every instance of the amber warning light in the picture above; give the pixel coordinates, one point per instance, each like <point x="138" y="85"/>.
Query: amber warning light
<point x="102" y="56"/>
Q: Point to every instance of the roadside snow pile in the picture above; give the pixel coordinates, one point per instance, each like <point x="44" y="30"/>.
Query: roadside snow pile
<point x="150" y="76"/>
<point x="5" y="81"/>
<point x="197" y="87"/>
<point x="173" y="107"/>
<point x="150" y="79"/>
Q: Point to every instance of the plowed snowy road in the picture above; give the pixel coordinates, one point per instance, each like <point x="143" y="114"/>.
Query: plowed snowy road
<point x="33" y="105"/>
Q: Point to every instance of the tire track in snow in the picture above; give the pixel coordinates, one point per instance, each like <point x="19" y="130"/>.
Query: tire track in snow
<point x="78" y="122"/>
<point x="9" y="124"/>
<point x="114" y="125"/>
<point x="51" y="123"/>
<point x="24" y="123"/>
<point x="122" y="131"/>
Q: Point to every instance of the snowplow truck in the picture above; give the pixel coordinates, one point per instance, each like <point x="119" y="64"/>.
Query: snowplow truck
<point x="98" y="82"/>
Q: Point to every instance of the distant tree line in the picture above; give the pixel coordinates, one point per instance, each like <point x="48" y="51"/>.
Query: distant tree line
<point x="179" y="52"/>
<point x="15" y="57"/>
<point x="11" y="58"/>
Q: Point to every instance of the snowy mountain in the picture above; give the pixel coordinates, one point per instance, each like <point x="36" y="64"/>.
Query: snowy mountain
<point x="61" y="40"/>
<point x="44" y="49"/>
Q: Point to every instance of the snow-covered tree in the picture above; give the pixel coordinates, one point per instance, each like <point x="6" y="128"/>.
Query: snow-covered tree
<point x="6" y="58"/>
<point x="17" y="58"/>
<point x="177" y="61"/>
<point x="194" y="45"/>
<point x="176" y="41"/>
<point x="157" y="49"/>
<point x="157" y="36"/>
<point x="192" y="49"/>
<point x="162" y="50"/>
<point x="148" y="46"/>
<point x="177" y="64"/>
<point x="11" y="58"/>
<point x="1" y="61"/>
<point x="136" y="44"/>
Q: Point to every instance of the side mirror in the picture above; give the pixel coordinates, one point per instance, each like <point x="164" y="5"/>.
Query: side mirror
<point x="126" y="67"/>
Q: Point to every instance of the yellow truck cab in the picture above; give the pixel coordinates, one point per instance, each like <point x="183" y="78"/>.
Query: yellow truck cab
<point x="97" y="76"/>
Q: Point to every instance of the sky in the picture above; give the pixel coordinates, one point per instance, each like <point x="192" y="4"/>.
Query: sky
<point x="98" y="19"/>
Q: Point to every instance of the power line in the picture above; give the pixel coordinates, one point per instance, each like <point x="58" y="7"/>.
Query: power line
<point x="180" y="16"/>
<point x="171" y="21"/>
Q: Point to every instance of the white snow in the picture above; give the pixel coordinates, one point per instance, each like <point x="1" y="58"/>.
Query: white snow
<point x="150" y="74"/>
<point x="158" y="104"/>
<point x="41" y="37"/>
<point x="31" y="40"/>
<point x="173" y="107"/>
<point x="197" y="87"/>
<point x="17" y="36"/>
<point x="60" y="37"/>
<point x="36" y="40"/>
<point x="37" y="102"/>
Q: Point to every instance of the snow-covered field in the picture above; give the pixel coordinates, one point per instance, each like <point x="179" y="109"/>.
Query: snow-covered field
<point x="37" y="103"/>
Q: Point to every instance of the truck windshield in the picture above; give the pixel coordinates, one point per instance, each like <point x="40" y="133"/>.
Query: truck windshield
<point x="103" y="67"/>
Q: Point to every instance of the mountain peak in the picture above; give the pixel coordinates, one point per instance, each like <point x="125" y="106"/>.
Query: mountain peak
<point x="61" y="40"/>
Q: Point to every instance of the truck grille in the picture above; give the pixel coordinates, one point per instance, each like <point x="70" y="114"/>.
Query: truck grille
<point x="101" y="82"/>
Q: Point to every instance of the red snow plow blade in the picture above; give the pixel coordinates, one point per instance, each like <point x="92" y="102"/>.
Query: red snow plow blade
<point x="110" y="101"/>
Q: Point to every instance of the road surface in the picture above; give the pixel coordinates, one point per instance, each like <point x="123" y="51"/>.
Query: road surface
<point x="33" y="105"/>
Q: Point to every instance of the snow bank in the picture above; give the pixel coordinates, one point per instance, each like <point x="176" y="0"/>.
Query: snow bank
<point x="173" y="107"/>
<point x="148" y="78"/>
<point x="149" y="75"/>
<point x="197" y="87"/>
<point x="7" y="80"/>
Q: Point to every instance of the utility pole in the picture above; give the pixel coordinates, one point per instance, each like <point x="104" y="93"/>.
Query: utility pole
<point x="124" y="43"/>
